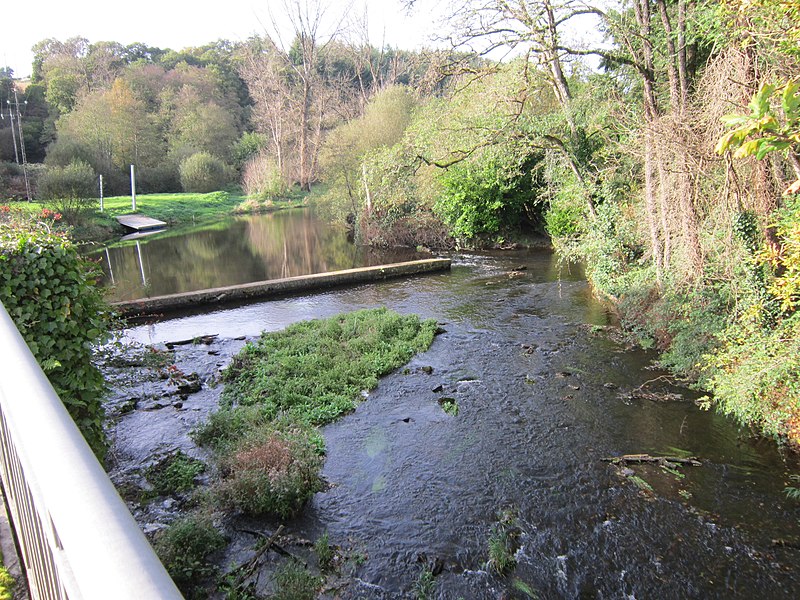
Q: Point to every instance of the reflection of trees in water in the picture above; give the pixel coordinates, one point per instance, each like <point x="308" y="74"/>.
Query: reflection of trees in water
<point x="201" y="259"/>
<point x="282" y="244"/>
<point x="298" y="244"/>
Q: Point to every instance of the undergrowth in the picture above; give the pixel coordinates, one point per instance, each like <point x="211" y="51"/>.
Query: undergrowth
<point x="185" y="548"/>
<point x="174" y="474"/>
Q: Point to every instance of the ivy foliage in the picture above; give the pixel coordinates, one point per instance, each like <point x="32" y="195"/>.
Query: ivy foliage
<point x="50" y="293"/>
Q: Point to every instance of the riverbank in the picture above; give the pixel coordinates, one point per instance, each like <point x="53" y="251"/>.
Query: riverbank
<point x="175" y="209"/>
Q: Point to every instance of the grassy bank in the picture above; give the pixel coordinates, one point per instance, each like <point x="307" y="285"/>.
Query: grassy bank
<point x="173" y="209"/>
<point x="189" y="207"/>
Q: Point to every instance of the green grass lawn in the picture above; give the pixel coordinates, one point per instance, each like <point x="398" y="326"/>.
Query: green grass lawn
<point x="189" y="207"/>
<point x="173" y="209"/>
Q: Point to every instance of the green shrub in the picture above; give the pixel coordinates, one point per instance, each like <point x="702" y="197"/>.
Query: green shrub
<point x="486" y="196"/>
<point x="565" y="221"/>
<point x="184" y="548"/>
<point x="325" y="552"/>
<point x="294" y="582"/>
<point x="272" y="470"/>
<point x="73" y="189"/>
<point x="7" y="584"/>
<point x="51" y="294"/>
<point x="9" y="170"/>
<point x="247" y="147"/>
<point x="161" y="178"/>
<point x="175" y="473"/>
<point x="202" y="173"/>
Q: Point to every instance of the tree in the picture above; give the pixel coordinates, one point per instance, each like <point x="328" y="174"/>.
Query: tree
<point x="291" y="101"/>
<point x="112" y="129"/>
<point x="202" y="173"/>
<point x="347" y="148"/>
<point x="200" y="125"/>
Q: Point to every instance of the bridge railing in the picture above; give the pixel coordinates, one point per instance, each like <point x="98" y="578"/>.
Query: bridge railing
<point x="77" y="539"/>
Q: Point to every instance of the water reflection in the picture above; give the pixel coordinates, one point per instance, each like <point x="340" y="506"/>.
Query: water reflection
<point x="233" y="251"/>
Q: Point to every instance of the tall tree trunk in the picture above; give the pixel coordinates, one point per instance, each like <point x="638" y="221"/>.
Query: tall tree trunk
<point x="675" y="95"/>
<point x="641" y="9"/>
<point x="683" y="67"/>
<point x="305" y="112"/>
<point x="650" y="206"/>
<point x="663" y="205"/>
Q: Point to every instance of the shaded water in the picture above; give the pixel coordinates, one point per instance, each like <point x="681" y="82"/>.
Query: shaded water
<point x="238" y="250"/>
<point x="411" y="484"/>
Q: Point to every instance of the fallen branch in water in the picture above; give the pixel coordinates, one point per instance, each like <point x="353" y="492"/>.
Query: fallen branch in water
<point x="206" y="340"/>
<point x="664" y="461"/>
<point x="642" y="393"/>
<point x="246" y="570"/>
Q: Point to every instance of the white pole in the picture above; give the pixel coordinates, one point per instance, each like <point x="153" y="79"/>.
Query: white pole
<point x="101" y="193"/>
<point x="133" y="189"/>
<point x="141" y="264"/>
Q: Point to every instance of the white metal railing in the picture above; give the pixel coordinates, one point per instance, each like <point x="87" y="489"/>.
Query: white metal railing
<point x="77" y="538"/>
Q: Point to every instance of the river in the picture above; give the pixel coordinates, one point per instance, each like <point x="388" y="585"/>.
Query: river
<point x="231" y="251"/>
<point x="544" y="394"/>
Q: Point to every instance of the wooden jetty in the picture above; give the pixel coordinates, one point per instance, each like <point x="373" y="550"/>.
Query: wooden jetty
<point x="140" y="222"/>
<point x="277" y="287"/>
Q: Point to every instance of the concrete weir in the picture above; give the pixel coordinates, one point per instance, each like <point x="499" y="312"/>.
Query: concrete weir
<point x="277" y="287"/>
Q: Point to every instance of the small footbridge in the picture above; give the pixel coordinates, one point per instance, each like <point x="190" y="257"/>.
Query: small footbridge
<point x="140" y="223"/>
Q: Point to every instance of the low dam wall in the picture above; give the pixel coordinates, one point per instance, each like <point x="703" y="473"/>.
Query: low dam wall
<point x="277" y="287"/>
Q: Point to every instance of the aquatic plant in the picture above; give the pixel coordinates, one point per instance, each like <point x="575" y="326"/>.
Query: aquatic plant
<point x="793" y="492"/>
<point x="502" y="543"/>
<point x="174" y="474"/>
<point x="325" y="552"/>
<point x="279" y="388"/>
<point x="272" y="470"/>
<point x="316" y="370"/>
<point x="425" y="585"/>
<point x="185" y="548"/>
<point x="294" y="582"/>
<point x="449" y="405"/>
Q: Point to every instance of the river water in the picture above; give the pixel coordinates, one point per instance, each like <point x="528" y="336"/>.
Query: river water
<point x="233" y="251"/>
<point x="544" y="394"/>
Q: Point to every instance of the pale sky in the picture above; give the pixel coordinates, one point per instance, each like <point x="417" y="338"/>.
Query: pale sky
<point x="179" y="24"/>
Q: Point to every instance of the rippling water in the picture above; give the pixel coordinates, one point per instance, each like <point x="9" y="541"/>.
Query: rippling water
<point x="541" y="392"/>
